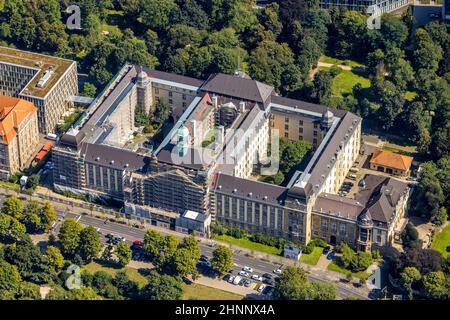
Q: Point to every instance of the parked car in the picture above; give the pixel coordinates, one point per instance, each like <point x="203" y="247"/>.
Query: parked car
<point x="236" y="280"/>
<point x="248" y="269"/>
<point x="257" y="277"/>
<point x="352" y="177"/>
<point x="267" y="275"/>
<point x="268" y="290"/>
<point x="326" y="249"/>
<point x="242" y="282"/>
<point x="231" y="279"/>
<point x="268" y="281"/>
<point x="277" y="271"/>
<point x="227" y="277"/>
<point x="243" y="273"/>
<point x="354" y="169"/>
<point x="247" y="283"/>
<point x="261" y="287"/>
<point x="349" y="183"/>
<point x="204" y="258"/>
<point x="330" y="256"/>
<point x="138" y="243"/>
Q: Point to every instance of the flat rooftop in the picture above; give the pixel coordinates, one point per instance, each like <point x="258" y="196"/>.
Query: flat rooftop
<point x="38" y="62"/>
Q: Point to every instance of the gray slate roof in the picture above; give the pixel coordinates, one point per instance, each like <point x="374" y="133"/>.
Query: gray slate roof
<point x="381" y="195"/>
<point x="234" y="86"/>
<point x="243" y="187"/>
<point x="173" y="77"/>
<point x="114" y="157"/>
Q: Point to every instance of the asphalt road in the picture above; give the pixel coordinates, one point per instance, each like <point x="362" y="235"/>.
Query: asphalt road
<point x="240" y="260"/>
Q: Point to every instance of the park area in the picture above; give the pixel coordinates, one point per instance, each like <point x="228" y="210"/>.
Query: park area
<point x="191" y="291"/>
<point x="441" y="242"/>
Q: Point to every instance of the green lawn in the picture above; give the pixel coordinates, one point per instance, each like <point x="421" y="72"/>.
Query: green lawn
<point x="344" y="82"/>
<point x="10" y="185"/>
<point x="245" y="243"/>
<point x="350" y="63"/>
<point x="313" y="257"/>
<point x="441" y="242"/>
<point x="334" y="267"/>
<point x="398" y="151"/>
<point x="132" y="273"/>
<point x="199" y="292"/>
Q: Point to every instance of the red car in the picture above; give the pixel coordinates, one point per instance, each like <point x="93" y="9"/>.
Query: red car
<point x="137" y="243"/>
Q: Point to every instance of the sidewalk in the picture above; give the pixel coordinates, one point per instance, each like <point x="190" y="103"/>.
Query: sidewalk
<point x="62" y="203"/>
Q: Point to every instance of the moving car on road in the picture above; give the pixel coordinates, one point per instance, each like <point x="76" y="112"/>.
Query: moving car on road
<point x="277" y="271"/>
<point x="248" y="269"/>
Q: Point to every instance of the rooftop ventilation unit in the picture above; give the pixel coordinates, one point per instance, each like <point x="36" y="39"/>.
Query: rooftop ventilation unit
<point x="47" y="75"/>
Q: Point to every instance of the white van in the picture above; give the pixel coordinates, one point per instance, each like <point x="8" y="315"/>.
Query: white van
<point x="237" y="280"/>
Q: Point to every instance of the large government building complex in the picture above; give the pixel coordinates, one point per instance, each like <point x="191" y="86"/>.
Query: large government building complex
<point x="182" y="183"/>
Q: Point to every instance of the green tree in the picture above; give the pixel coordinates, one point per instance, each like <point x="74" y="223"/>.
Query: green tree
<point x="90" y="243"/>
<point x="185" y="263"/>
<point x="10" y="281"/>
<point x="126" y="287"/>
<point x="28" y="291"/>
<point x="13" y="207"/>
<point x="222" y="259"/>
<point x="89" y="90"/>
<point x="54" y="257"/>
<point x="152" y="245"/>
<point x="292" y="284"/>
<point x="47" y="216"/>
<point x="155" y="14"/>
<point x="321" y="90"/>
<point x="348" y="255"/>
<point x="410" y="236"/>
<point x="33" y="182"/>
<point x="324" y="291"/>
<point x="162" y="112"/>
<point x="123" y="253"/>
<point x="408" y="277"/>
<point x="441" y="217"/>
<point x="162" y="287"/>
<point x="69" y="236"/>
<point x="83" y="293"/>
<point x="17" y="230"/>
<point x="428" y="196"/>
<point x="361" y="261"/>
<point x="435" y="285"/>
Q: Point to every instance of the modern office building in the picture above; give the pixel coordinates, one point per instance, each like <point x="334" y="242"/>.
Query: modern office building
<point x="385" y="6"/>
<point x="209" y="158"/>
<point x="50" y="83"/>
<point x="19" y="135"/>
